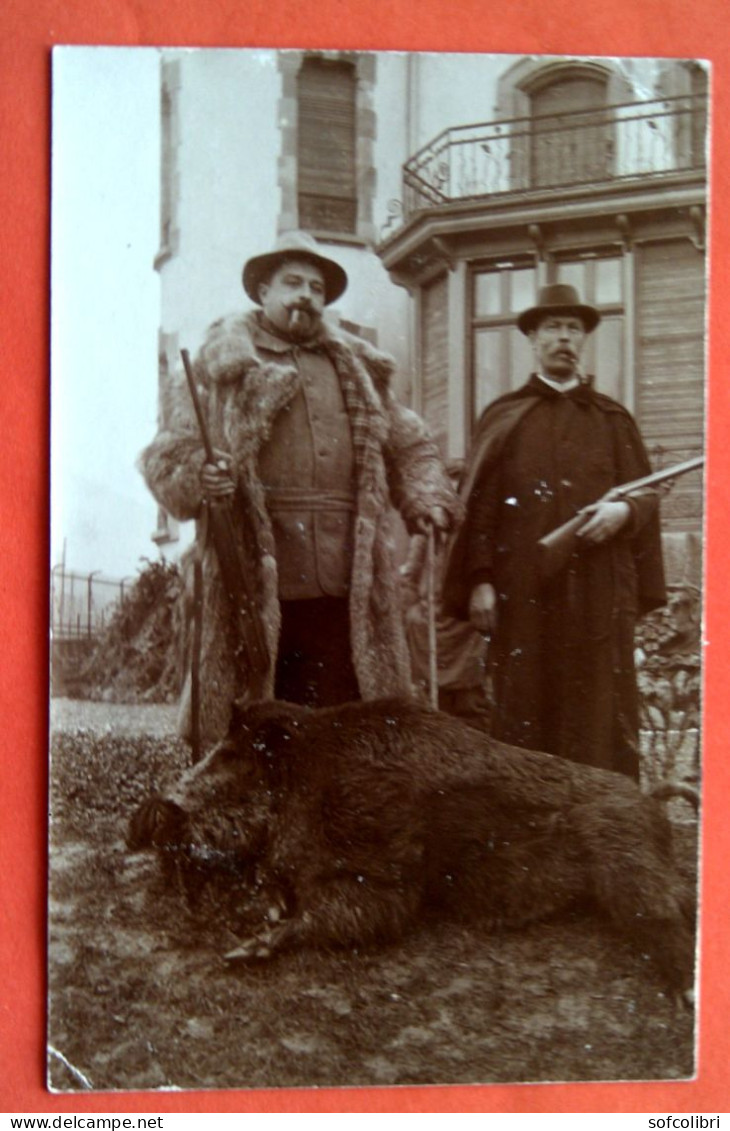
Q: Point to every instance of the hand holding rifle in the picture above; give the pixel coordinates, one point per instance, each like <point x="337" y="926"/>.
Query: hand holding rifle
<point x="216" y="479"/>
<point x="603" y="519"/>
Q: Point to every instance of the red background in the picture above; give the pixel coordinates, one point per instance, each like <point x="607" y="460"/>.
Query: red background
<point x="684" y="28"/>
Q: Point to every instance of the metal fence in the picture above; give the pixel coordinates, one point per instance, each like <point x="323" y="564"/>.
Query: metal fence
<point x="558" y="150"/>
<point x="83" y="603"/>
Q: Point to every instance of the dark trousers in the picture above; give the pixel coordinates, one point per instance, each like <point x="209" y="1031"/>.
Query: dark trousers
<point x="314" y="665"/>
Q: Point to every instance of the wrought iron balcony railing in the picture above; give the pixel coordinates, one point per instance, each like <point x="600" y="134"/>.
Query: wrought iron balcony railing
<point x="582" y="147"/>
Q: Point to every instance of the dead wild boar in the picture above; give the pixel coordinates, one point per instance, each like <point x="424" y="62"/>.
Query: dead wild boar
<point x="356" y="819"/>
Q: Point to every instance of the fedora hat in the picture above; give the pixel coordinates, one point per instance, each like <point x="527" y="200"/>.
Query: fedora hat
<point x="558" y="298"/>
<point x="293" y="245"/>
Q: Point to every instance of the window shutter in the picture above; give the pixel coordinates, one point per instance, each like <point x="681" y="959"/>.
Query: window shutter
<point x="327" y="183"/>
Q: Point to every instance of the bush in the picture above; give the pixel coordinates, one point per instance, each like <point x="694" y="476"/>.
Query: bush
<point x="669" y="669"/>
<point x="136" y="657"/>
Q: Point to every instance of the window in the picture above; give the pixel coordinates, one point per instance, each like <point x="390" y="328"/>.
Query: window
<point x="501" y="354"/>
<point x="599" y="281"/>
<point x="326" y="146"/>
<point x="502" y="357"/>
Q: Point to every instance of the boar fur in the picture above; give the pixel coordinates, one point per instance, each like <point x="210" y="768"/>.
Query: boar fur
<point x="357" y="819"/>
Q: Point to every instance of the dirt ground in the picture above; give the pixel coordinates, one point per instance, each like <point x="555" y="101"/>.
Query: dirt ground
<point x="140" y="997"/>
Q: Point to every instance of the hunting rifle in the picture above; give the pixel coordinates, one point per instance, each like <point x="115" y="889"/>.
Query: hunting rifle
<point x="236" y="581"/>
<point x="556" y="548"/>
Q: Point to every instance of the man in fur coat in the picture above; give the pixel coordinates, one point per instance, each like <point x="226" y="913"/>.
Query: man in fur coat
<point x="313" y="449"/>
<point x="561" y="651"/>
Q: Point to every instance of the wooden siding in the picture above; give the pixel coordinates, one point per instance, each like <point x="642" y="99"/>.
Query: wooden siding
<point x="670" y="366"/>
<point x="435" y="358"/>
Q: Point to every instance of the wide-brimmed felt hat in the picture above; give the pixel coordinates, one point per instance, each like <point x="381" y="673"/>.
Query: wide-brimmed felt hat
<point x="558" y="298"/>
<point x="294" y="245"/>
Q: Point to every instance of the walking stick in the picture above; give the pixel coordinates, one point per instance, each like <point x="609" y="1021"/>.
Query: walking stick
<point x="195" y="736"/>
<point x="433" y="679"/>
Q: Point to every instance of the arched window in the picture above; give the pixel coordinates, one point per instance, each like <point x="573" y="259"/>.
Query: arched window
<point x="563" y="126"/>
<point x="571" y="136"/>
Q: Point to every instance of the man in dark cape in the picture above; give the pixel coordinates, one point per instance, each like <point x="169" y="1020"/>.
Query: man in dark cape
<point x="561" y="651"/>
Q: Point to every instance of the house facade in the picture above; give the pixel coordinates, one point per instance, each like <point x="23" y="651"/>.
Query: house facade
<point x="451" y="188"/>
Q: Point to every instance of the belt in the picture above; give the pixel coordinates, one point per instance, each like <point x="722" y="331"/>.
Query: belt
<point x="308" y="499"/>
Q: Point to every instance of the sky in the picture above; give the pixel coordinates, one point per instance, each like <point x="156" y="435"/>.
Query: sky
<point x="105" y="305"/>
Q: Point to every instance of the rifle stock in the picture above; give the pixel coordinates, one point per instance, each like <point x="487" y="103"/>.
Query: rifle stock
<point x="236" y="581"/>
<point x="556" y="548"/>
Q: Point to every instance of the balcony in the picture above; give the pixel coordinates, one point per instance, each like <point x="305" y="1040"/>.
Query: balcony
<point x="601" y="146"/>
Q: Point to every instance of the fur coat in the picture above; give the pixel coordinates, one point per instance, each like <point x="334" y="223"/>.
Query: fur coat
<point x="396" y="462"/>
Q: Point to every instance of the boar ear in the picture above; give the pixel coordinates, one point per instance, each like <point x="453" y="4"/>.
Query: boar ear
<point x="238" y="714"/>
<point x="249" y="715"/>
<point x="274" y="735"/>
<point x="274" y="741"/>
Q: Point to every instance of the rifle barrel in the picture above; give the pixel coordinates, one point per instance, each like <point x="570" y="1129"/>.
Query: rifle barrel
<point x="236" y="582"/>
<point x="662" y="476"/>
<point x="556" y="548"/>
<point x="202" y="425"/>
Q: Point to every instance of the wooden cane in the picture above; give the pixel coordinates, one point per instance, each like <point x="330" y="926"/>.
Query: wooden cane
<point x="195" y="735"/>
<point x="433" y="679"/>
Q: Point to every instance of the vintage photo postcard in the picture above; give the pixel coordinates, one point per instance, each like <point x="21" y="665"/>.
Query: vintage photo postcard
<point x="378" y="386"/>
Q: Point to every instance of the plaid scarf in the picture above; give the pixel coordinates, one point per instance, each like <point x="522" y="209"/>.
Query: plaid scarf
<point x="364" y="409"/>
